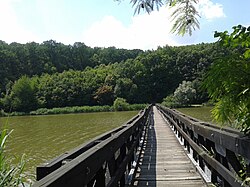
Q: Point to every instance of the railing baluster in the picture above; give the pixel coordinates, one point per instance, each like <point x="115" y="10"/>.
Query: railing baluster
<point x="122" y="181"/>
<point x="234" y="162"/>
<point x="112" y="166"/>
<point x="201" y="161"/>
<point x="91" y="183"/>
<point x="100" y="178"/>
<point x="248" y="170"/>
<point x="214" y="176"/>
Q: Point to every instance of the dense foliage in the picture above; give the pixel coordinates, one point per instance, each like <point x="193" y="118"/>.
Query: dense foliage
<point x="51" y="57"/>
<point x="228" y="81"/>
<point x="63" y="81"/>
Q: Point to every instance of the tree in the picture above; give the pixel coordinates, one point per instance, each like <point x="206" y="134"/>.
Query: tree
<point x="22" y="97"/>
<point x="185" y="14"/>
<point x="125" y="88"/>
<point x="228" y="80"/>
<point x="185" y="93"/>
<point x="104" y="95"/>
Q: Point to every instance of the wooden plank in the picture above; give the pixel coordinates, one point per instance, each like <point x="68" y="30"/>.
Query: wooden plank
<point x="183" y="183"/>
<point x="164" y="162"/>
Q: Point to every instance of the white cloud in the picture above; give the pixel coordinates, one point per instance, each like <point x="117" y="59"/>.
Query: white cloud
<point x="210" y="10"/>
<point x="11" y="31"/>
<point x="144" y="32"/>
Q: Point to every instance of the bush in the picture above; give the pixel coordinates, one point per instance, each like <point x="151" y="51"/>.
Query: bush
<point x="170" y="101"/>
<point x="137" y="106"/>
<point x="2" y="113"/>
<point x="120" y="104"/>
<point x="75" y="109"/>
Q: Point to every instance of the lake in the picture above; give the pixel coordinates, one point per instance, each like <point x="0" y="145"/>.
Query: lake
<point x="42" y="138"/>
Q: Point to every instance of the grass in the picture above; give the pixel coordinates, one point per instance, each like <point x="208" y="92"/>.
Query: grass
<point x="74" y="109"/>
<point x="202" y="113"/>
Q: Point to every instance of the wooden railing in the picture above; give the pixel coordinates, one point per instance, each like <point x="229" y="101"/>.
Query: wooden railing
<point x="224" y="152"/>
<point x="108" y="160"/>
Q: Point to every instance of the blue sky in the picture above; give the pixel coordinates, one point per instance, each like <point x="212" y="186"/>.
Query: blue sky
<point x="107" y="23"/>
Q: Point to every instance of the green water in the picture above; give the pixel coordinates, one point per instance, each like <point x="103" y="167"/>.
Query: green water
<point x="202" y="113"/>
<point x="42" y="138"/>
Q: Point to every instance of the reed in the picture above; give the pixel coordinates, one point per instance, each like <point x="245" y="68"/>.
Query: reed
<point x="9" y="175"/>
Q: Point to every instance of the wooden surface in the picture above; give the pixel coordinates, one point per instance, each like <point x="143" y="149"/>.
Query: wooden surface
<point x="164" y="162"/>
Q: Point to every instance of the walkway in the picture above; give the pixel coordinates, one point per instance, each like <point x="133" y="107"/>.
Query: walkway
<point x="164" y="162"/>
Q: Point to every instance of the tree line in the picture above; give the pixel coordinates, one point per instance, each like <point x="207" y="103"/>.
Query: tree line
<point x="50" y="57"/>
<point x="52" y="74"/>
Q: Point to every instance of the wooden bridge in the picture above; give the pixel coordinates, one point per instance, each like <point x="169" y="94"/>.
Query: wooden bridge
<point x="158" y="147"/>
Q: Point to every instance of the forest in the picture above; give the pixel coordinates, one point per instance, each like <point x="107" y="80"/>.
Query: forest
<point x="52" y="74"/>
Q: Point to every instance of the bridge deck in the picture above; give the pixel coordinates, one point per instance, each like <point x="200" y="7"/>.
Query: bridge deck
<point x="164" y="162"/>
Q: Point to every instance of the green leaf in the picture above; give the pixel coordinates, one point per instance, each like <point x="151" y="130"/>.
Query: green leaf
<point x="217" y="34"/>
<point x="247" y="54"/>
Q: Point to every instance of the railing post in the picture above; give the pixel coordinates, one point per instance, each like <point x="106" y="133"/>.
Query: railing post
<point x="122" y="181"/>
<point x="223" y="161"/>
<point x="209" y="145"/>
<point x="195" y="155"/>
<point x="214" y="176"/>
<point x="248" y="169"/>
<point x="234" y="162"/>
<point x="100" y="178"/>
<point x="189" y="134"/>
<point x="201" y="142"/>
<point x="186" y="145"/>
<point x="122" y="156"/>
<point x="112" y="166"/>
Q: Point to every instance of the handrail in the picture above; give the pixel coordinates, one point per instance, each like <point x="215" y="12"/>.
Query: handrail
<point x="192" y="119"/>
<point x="103" y="161"/>
<point x="215" y="148"/>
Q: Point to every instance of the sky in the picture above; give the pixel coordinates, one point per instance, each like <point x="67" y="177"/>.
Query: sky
<point x="105" y="23"/>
